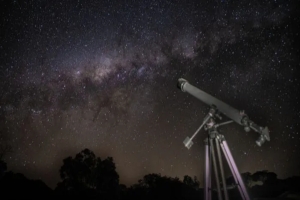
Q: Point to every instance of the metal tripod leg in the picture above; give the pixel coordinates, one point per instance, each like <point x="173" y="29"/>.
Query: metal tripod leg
<point x="231" y="169"/>
<point x="234" y="169"/>
<point x="221" y="169"/>
<point x="207" y="174"/>
<point x="215" y="168"/>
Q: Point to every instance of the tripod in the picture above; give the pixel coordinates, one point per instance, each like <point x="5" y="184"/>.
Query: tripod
<point x="214" y="136"/>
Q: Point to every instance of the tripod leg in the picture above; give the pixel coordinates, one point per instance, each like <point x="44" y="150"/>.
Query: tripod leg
<point x="215" y="168"/>
<point x="221" y="169"/>
<point x="234" y="170"/>
<point x="231" y="169"/>
<point x="207" y="174"/>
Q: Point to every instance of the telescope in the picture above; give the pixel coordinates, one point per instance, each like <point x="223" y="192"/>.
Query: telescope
<point x="237" y="116"/>
<point x="215" y="142"/>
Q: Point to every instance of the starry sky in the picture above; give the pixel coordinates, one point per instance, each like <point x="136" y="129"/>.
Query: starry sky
<point x="102" y="75"/>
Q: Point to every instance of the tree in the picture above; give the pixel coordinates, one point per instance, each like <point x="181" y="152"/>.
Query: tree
<point x="4" y="150"/>
<point x="88" y="174"/>
<point x="155" y="186"/>
<point x="17" y="186"/>
<point x="265" y="177"/>
<point x="3" y="168"/>
<point x="194" y="183"/>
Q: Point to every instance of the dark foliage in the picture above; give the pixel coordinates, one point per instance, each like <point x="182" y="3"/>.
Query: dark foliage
<point x="3" y="168"/>
<point x="17" y="186"/>
<point x="264" y="184"/>
<point x="155" y="186"/>
<point x="88" y="177"/>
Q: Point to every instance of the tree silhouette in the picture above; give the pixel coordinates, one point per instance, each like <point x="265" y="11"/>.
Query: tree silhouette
<point x="5" y="148"/>
<point x="17" y="186"/>
<point x="87" y="174"/>
<point x="192" y="182"/>
<point x="264" y="176"/>
<point x="3" y="168"/>
<point x="155" y="186"/>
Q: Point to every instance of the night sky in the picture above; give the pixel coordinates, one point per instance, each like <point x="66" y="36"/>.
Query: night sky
<point x="102" y="75"/>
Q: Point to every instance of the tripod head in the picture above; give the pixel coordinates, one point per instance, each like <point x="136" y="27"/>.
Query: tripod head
<point x="235" y="115"/>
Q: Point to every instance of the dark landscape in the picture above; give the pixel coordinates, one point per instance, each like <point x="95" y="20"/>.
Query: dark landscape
<point x="89" y="177"/>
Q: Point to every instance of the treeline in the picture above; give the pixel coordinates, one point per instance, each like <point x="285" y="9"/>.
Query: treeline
<point x="89" y="177"/>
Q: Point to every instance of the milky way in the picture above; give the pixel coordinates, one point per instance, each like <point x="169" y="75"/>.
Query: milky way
<point x="102" y="75"/>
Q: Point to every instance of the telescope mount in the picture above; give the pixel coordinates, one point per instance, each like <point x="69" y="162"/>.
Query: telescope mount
<point x="216" y="141"/>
